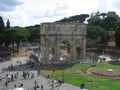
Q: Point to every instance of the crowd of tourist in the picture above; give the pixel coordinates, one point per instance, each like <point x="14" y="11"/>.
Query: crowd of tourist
<point x="25" y="73"/>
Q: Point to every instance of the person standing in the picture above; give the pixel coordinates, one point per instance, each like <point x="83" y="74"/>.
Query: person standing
<point x="52" y="85"/>
<point x="35" y="83"/>
<point x="17" y="75"/>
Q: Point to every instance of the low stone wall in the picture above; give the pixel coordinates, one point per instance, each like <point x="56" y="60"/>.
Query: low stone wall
<point x="32" y="56"/>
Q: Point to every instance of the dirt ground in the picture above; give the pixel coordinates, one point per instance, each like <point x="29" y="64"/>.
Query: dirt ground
<point x="22" y="52"/>
<point x="104" y="72"/>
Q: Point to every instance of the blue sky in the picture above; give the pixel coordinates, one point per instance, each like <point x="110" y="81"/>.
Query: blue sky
<point x="31" y="12"/>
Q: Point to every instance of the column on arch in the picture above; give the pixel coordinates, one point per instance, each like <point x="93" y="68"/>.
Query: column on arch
<point x="58" y="50"/>
<point x="73" y="53"/>
<point x="83" y="50"/>
<point x="44" y="48"/>
<point x="47" y="49"/>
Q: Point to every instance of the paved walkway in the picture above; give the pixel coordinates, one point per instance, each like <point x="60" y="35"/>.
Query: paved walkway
<point x="28" y="83"/>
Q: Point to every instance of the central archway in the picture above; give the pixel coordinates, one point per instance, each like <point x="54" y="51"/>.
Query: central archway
<point x="51" y="53"/>
<point x="65" y="50"/>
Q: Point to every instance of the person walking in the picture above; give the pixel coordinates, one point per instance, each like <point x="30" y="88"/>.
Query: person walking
<point x="52" y="86"/>
<point x="41" y="86"/>
<point x="35" y="83"/>
<point x="35" y="87"/>
<point x="6" y="84"/>
<point x="14" y="85"/>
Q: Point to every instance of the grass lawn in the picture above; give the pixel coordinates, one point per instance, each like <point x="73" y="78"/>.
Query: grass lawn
<point x="77" y="74"/>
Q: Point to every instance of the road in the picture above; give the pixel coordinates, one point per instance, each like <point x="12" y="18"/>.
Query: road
<point x="29" y="83"/>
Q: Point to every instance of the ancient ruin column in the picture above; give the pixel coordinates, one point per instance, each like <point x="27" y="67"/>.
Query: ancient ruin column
<point x="73" y="50"/>
<point x="84" y="47"/>
<point x="58" y="50"/>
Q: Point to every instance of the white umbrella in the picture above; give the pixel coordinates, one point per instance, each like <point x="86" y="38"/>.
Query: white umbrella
<point x="9" y="76"/>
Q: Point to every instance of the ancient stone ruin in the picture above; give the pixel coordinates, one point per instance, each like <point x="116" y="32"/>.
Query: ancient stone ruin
<point x="62" y="42"/>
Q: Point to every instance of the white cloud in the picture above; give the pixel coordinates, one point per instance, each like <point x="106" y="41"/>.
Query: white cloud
<point x="31" y="12"/>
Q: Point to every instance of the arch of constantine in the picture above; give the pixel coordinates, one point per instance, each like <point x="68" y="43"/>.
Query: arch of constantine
<point x="62" y="42"/>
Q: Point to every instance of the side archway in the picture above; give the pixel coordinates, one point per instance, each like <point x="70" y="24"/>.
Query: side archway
<point x="78" y="51"/>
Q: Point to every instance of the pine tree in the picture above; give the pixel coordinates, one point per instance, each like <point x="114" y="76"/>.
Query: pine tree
<point x="8" y="24"/>
<point x="2" y="27"/>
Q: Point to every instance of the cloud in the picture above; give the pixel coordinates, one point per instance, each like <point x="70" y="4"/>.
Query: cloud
<point x="30" y="12"/>
<point x="9" y="5"/>
<point x="112" y="5"/>
<point x="36" y="11"/>
<point x="116" y="5"/>
<point x="102" y="6"/>
<point x="58" y="11"/>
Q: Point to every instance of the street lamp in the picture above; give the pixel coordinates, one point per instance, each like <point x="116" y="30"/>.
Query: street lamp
<point x="11" y="56"/>
<point x="39" y="57"/>
<point x="61" y="58"/>
<point x="11" y="60"/>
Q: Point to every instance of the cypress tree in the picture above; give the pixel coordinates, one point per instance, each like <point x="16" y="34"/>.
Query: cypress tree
<point x="8" y="24"/>
<point x="2" y="27"/>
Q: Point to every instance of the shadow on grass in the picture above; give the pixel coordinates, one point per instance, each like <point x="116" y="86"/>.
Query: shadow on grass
<point x="114" y="62"/>
<point x="55" y="66"/>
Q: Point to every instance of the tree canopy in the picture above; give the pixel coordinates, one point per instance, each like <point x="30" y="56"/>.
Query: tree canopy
<point x="98" y="25"/>
<point x="117" y="36"/>
<point x="95" y="21"/>
<point x="76" y="18"/>
<point x="34" y="33"/>
<point x="109" y="23"/>
<point x="14" y="35"/>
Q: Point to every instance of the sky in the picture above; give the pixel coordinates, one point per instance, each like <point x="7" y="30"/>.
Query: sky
<point x="30" y="12"/>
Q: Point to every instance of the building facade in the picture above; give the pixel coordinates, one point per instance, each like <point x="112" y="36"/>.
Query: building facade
<point x="62" y="42"/>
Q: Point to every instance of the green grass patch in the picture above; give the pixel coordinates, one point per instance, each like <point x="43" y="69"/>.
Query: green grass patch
<point x="92" y="82"/>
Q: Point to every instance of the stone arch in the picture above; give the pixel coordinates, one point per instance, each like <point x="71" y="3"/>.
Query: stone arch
<point x="70" y="35"/>
<point x="78" y="52"/>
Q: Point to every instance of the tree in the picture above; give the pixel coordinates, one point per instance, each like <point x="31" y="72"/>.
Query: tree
<point x="95" y="21"/>
<point x="14" y="35"/>
<point x="64" y="20"/>
<point x="7" y="43"/>
<point x="20" y="34"/>
<point x="97" y="14"/>
<point x="95" y="31"/>
<point x="109" y="23"/>
<point x="34" y="33"/>
<point x="103" y="15"/>
<point x="104" y="35"/>
<point x="117" y="36"/>
<point x="76" y="18"/>
<point x="2" y="26"/>
<point x="8" y="24"/>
